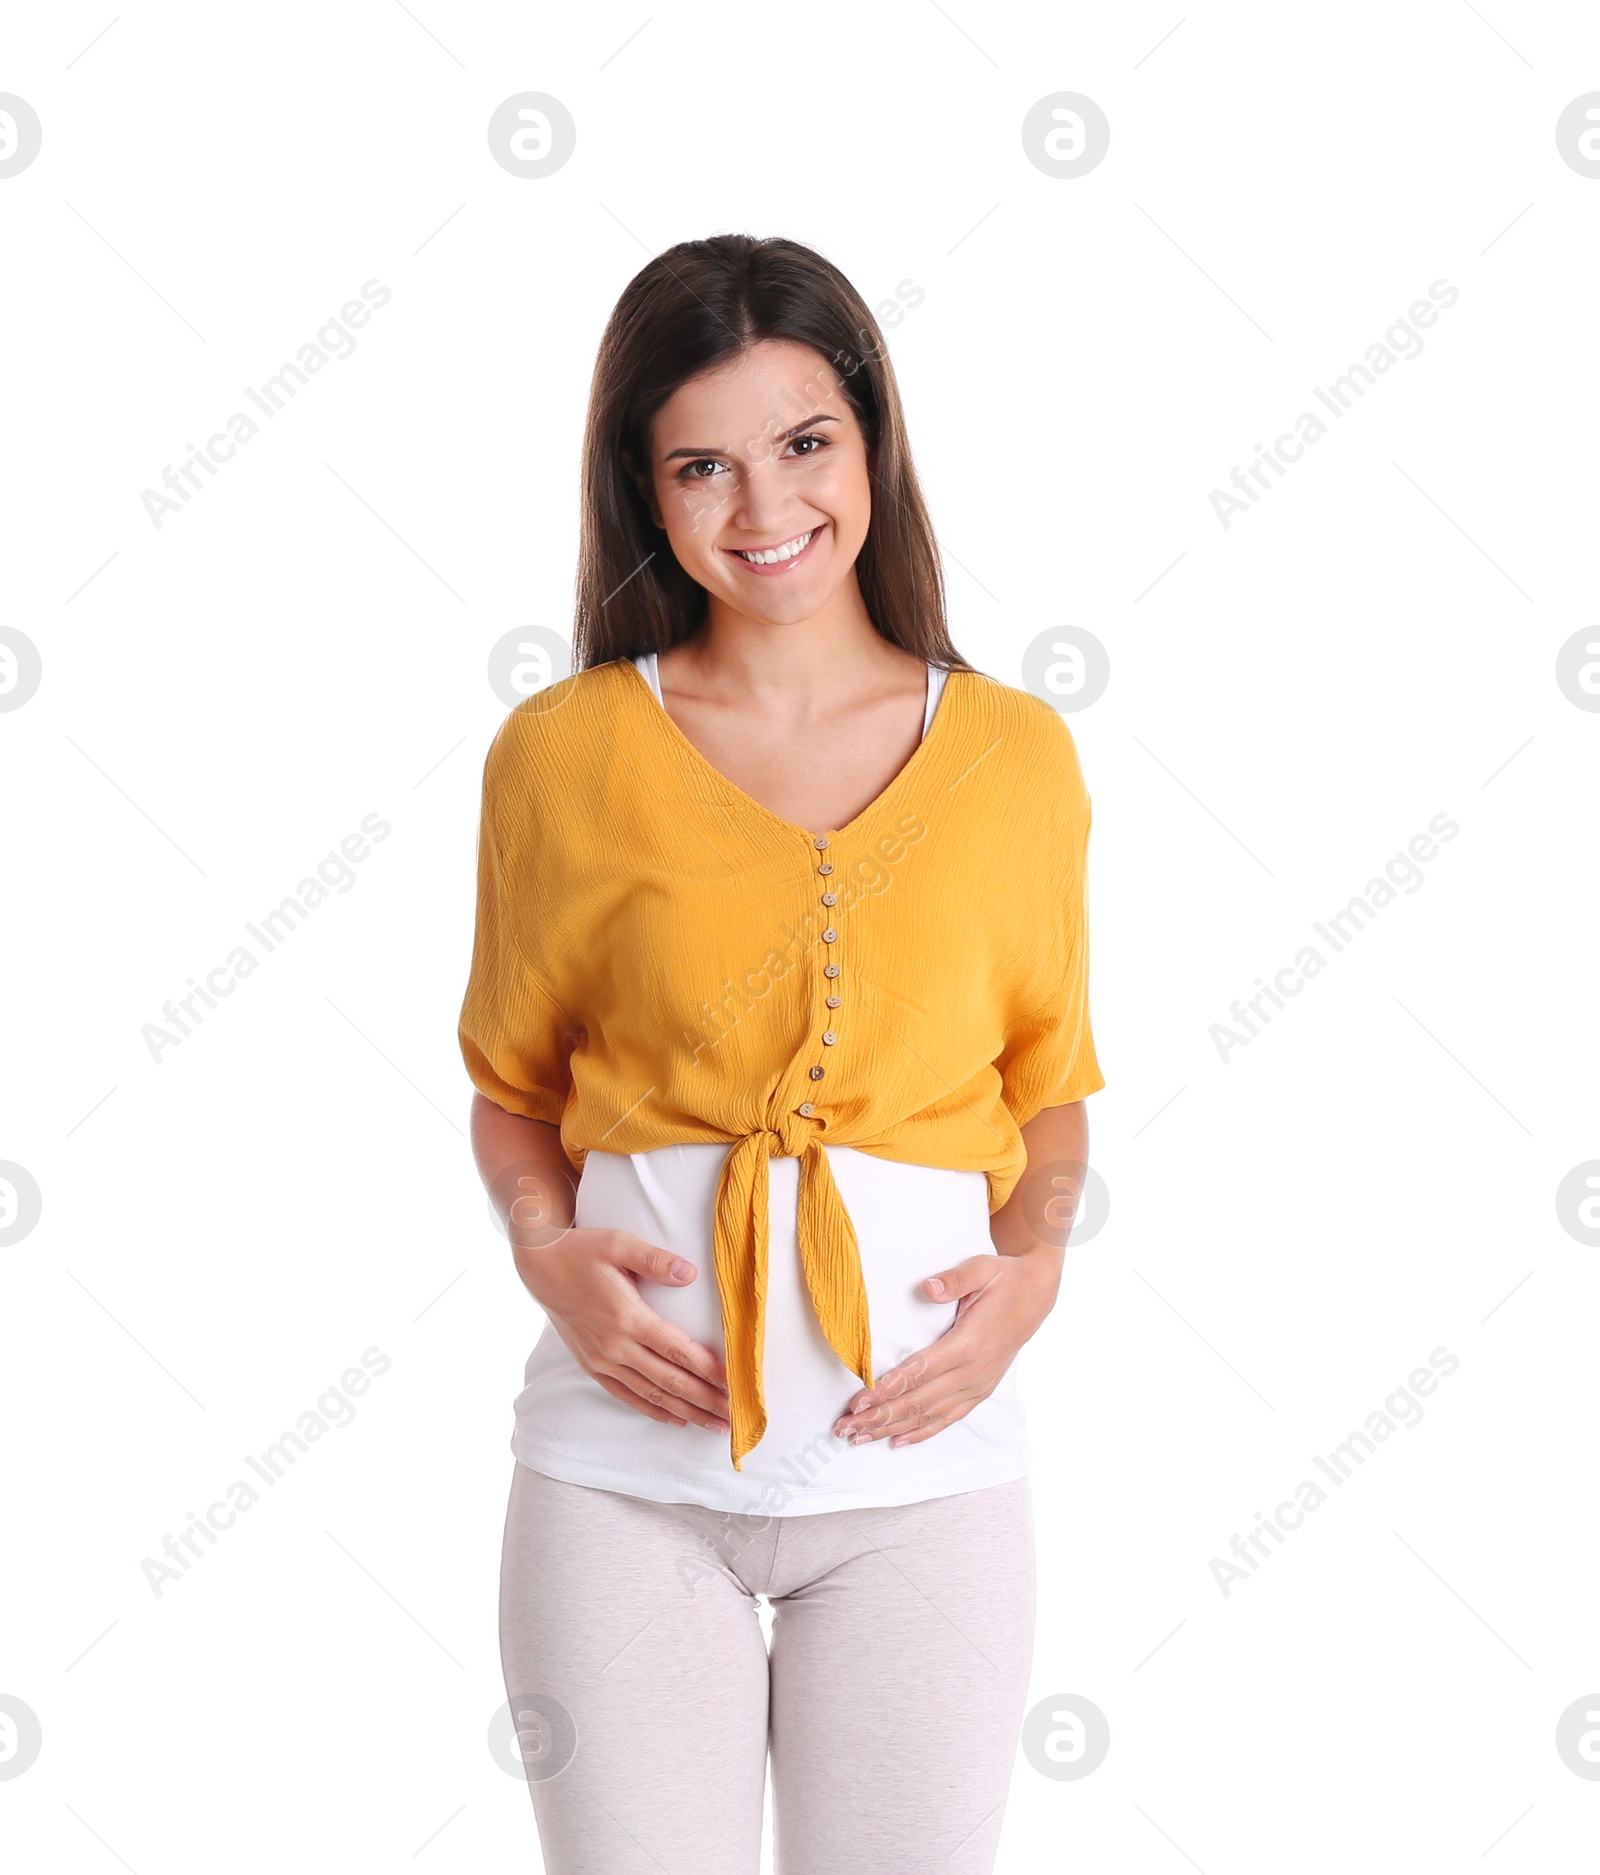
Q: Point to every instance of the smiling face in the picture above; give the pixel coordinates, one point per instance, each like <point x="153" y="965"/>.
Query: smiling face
<point x="758" y="473"/>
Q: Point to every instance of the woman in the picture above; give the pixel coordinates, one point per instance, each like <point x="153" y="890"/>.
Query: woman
<point x="780" y="945"/>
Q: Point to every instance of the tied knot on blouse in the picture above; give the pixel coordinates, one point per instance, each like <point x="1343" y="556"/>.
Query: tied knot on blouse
<point x="829" y="1255"/>
<point x="658" y="958"/>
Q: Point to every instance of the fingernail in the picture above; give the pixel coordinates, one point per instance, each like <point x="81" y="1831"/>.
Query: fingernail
<point x="683" y="1271"/>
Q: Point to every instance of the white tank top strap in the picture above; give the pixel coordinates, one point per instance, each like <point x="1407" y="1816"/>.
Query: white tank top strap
<point x="646" y="667"/>
<point x="936" y="678"/>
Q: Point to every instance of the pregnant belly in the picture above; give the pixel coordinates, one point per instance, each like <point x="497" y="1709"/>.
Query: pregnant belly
<point x="910" y="1222"/>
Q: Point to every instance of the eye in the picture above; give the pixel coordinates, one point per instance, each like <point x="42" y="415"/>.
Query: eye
<point x="688" y="472"/>
<point x="822" y="442"/>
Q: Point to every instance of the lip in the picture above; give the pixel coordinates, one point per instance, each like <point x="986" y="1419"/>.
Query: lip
<point x="779" y="566"/>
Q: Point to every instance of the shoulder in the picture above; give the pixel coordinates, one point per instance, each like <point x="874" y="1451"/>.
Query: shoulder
<point x="553" y="734"/>
<point x="1034" y="734"/>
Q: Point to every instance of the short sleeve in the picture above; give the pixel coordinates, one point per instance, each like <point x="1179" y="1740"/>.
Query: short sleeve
<point x="515" y="1039"/>
<point x="1049" y="1059"/>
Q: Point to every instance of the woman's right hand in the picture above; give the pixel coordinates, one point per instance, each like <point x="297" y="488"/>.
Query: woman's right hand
<point x="583" y="1279"/>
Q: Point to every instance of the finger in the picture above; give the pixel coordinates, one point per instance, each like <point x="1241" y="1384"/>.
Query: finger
<point x="674" y="1344"/>
<point x="972" y="1273"/>
<point x="957" y="1413"/>
<point x="620" y="1391"/>
<point x="679" y="1391"/>
<point x="937" y="1417"/>
<point x="896" y="1383"/>
<point x="657" y="1402"/>
<point x="879" y="1417"/>
<point x="927" y="1405"/>
<point x="650" y="1260"/>
<point x="886" y="1421"/>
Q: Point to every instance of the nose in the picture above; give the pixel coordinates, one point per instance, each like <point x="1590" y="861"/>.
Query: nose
<point x="759" y="509"/>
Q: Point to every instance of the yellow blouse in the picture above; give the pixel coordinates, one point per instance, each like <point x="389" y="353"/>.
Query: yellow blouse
<point x="659" y="959"/>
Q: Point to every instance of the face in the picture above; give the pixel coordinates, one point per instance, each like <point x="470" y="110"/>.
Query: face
<point x="762" y="455"/>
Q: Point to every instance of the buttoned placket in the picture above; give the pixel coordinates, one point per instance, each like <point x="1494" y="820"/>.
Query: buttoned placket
<point x="831" y="969"/>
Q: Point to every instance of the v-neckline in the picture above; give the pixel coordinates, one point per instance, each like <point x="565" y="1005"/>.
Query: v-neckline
<point x="707" y="766"/>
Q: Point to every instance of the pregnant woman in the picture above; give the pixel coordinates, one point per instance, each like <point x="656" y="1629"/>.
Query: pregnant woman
<point x="778" y="1017"/>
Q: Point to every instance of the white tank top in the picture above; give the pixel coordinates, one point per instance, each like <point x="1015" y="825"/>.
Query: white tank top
<point x="910" y="1221"/>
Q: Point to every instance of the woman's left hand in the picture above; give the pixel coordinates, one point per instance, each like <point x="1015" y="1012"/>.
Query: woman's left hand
<point x="1001" y="1302"/>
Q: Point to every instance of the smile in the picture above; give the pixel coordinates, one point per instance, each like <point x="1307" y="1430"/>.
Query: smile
<point x="765" y="559"/>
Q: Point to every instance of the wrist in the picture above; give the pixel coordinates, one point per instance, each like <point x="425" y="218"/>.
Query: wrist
<point x="1041" y="1265"/>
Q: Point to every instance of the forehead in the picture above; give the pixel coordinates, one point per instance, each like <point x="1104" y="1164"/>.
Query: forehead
<point x="774" y="384"/>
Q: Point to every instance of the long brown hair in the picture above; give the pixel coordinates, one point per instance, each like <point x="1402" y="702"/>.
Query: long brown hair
<point x="691" y="307"/>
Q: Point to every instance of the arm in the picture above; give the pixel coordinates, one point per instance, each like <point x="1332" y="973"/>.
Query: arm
<point x="1036" y="1217"/>
<point x="526" y="1172"/>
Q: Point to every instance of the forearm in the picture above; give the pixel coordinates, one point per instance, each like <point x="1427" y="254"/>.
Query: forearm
<point x="523" y="1164"/>
<point x="1039" y="1212"/>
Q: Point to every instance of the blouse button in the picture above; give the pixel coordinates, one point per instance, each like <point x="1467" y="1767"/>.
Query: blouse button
<point x="807" y="1109"/>
<point x="829" y="935"/>
<point x="825" y="868"/>
<point x="817" y="1073"/>
<point x="830" y="898"/>
<point x="830" y="970"/>
<point x="834" y="1001"/>
<point x="820" y="842"/>
<point x="829" y="1039"/>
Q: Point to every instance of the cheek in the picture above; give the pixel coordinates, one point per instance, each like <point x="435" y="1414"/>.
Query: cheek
<point x="692" y="513"/>
<point x="839" y="487"/>
<point x="846" y="494"/>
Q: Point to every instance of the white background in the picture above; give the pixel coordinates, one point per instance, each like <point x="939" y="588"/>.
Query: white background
<point x="1291" y="700"/>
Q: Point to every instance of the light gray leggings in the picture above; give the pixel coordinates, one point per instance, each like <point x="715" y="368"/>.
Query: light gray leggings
<point x="645" y="1698"/>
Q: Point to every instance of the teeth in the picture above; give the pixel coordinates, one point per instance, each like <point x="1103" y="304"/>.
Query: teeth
<point x="773" y="554"/>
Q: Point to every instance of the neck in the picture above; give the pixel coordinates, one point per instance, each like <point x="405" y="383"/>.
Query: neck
<point x="836" y="652"/>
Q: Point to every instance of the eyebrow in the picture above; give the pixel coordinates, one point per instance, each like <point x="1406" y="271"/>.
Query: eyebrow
<point x="820" y="417"/>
